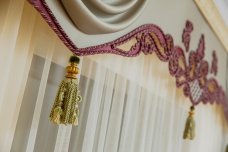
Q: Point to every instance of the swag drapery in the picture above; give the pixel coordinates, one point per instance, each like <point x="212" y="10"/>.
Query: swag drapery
<point x="129" y="104"/>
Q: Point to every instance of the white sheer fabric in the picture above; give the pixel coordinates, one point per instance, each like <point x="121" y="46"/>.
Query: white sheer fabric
<point x="117" y="114"/>
<point x="129" y="104"/>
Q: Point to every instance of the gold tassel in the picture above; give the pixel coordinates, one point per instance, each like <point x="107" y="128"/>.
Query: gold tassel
<point x="189" y="131"/>
<point x="65" y="109"/>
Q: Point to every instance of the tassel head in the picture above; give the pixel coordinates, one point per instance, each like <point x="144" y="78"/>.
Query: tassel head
<point x="189" y="131"/>
<point x="65" y="109"/>
<point x="72" y="70"/>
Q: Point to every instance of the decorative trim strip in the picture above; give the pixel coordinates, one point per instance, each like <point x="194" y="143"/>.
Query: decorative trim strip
<point x="149" y="38"/>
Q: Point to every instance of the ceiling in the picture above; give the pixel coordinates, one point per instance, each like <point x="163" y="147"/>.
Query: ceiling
<point x="223" y="9"/>
<point x="216" y="13"/>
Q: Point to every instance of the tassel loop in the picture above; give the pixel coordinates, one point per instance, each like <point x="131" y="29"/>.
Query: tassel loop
<point x="189" y="131"/>
<point x="57" y="115"/>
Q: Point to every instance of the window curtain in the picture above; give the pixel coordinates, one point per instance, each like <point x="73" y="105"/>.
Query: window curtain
<point x="129" y="104"/>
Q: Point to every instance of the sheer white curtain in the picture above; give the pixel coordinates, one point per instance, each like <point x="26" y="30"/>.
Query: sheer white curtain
<point x="129" y="104"/>
<point x="117" y="114"/>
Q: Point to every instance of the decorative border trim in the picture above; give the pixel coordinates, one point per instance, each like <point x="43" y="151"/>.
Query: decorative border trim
<point x="191" y="75"/>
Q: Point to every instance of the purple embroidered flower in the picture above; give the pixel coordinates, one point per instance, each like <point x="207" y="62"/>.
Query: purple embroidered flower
<point x="186" y="37"/>
<point x="214" y="64"/>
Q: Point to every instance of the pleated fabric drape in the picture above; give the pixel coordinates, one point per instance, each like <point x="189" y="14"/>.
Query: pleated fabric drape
<point x="129" y="104"/>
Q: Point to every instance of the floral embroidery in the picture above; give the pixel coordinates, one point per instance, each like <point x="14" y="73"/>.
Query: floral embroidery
<point x="186" y="37"/>
<point x="214" y="64"/>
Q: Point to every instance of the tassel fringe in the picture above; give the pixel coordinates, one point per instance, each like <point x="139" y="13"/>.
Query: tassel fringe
<point x="189" y="132"/>
<point x="65" y="109"/>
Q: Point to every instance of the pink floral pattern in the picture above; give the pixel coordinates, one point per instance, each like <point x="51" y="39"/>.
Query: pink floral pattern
<point x="186" y="36"/>
<point x="214" y="64"/>
<point x="191" y="75"/>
